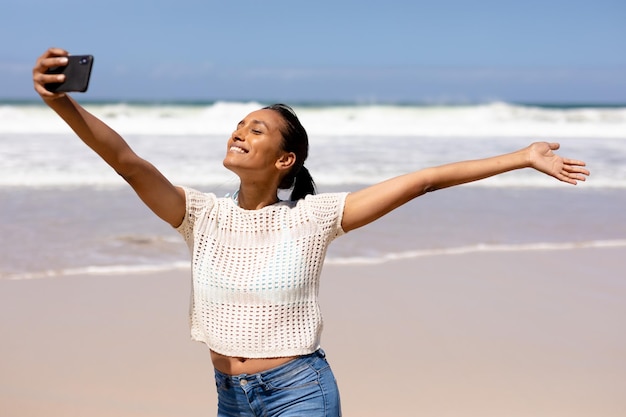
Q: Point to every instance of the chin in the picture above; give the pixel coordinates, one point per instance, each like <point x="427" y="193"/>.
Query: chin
<point x="229" y="165"/>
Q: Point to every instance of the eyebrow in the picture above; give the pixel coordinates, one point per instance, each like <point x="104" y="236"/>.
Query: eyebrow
<point x="256" y="122"/>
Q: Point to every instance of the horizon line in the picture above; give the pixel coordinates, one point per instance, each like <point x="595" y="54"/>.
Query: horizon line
<point x="326" y="103"/>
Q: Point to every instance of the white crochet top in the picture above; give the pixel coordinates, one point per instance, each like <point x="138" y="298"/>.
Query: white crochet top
<point x="255" y="273"/>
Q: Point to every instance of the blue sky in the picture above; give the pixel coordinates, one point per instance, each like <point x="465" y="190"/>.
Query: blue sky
<point x="365" y="51"/>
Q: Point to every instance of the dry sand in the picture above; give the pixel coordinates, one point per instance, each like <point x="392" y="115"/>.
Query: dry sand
<point x="526" y="334"/>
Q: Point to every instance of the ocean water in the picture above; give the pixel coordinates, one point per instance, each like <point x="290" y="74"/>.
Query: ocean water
<point x="63" y="211"/>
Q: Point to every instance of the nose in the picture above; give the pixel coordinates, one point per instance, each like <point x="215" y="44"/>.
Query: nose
<point x="236" y="135"/>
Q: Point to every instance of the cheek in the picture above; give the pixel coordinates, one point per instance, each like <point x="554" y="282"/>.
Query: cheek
<point x="269" y="149"/>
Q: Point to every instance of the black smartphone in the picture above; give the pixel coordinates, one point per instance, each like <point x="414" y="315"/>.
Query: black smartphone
<point x="77" y="73"/>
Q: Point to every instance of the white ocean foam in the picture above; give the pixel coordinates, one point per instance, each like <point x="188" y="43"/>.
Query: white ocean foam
<point x="357" y="260"/>
<point x="97" y="270"/>
<point x="494" y="119"/>
<point x="479" y="248"/>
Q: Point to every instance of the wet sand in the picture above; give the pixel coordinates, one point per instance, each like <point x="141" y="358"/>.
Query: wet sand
<point x="534" y="333"/>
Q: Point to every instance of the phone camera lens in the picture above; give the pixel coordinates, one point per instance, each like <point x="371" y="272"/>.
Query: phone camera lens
<point x="83" y="61"/>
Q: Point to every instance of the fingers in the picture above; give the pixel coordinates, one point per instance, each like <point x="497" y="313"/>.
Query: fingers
<point x="576" y="173"/>
<point x="574" y="162"/>
<point x="55" y="52"/>
<point x="53" y="57"/>
<point x="573" y="166"/>
<point x="573" y="171"/>
<point x="569" y="178"/>
<point x="579" y="168"/>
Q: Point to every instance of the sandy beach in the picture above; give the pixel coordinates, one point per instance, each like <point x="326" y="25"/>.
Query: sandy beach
<point x="527" y="333"/>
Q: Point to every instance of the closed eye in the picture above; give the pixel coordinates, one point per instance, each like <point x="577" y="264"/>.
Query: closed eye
<point x="253" y="123"/>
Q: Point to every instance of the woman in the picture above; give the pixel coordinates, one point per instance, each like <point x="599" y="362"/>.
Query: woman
<point x="256" y="260"/>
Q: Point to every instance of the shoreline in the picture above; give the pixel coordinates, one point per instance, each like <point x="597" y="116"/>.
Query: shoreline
<point x="490" y="334"/>
<point x="112" y="231"/>
<point x="356" y="260"/>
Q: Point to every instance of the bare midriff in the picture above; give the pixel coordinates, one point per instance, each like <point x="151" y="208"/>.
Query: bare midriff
<point x="230" y="365"/>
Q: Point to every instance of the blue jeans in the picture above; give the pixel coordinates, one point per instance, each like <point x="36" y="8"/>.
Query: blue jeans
<point x="304" y="386"/>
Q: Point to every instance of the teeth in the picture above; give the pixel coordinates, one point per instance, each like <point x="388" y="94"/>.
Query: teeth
<point x="237" y="149"/>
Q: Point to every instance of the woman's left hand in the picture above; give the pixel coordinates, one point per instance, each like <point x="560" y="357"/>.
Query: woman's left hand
<point x="543" y="159"/>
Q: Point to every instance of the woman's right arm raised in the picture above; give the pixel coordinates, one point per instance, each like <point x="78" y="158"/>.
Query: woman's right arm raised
<point x="163" y="198"/>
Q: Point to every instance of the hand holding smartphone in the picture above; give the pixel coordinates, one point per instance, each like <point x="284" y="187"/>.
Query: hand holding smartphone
<point x="77" y="73"/>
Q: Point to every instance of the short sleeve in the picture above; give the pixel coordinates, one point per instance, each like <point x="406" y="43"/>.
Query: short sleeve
<point x="327" y="209"/>
<point x="197" y="204"/>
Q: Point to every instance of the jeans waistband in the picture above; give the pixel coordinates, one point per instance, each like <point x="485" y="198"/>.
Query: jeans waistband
<point x="259" y="378"/>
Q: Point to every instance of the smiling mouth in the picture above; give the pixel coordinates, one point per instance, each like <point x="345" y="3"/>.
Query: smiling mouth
<point x="237" y="149"/>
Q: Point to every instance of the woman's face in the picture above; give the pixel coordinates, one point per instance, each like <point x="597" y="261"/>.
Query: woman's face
<point x="256" y="143"/>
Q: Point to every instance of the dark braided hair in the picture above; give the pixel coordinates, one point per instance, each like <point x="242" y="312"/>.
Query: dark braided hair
<point x="296" y="140"/>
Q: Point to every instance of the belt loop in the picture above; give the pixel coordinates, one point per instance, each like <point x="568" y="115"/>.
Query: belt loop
<point x="262" y="383"/>
<point x="321" y="353"/>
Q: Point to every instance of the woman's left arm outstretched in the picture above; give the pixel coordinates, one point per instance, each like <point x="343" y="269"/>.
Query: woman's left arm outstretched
<point x="365" y="206"/>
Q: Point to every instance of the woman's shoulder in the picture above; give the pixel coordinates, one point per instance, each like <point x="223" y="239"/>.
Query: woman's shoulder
<point x="196" y="197"/>
<point x="325" y="198"/>
<point x="324" y="204"/>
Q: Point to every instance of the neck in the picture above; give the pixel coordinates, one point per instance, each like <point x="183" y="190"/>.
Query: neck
<point x="253" y="197"/>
